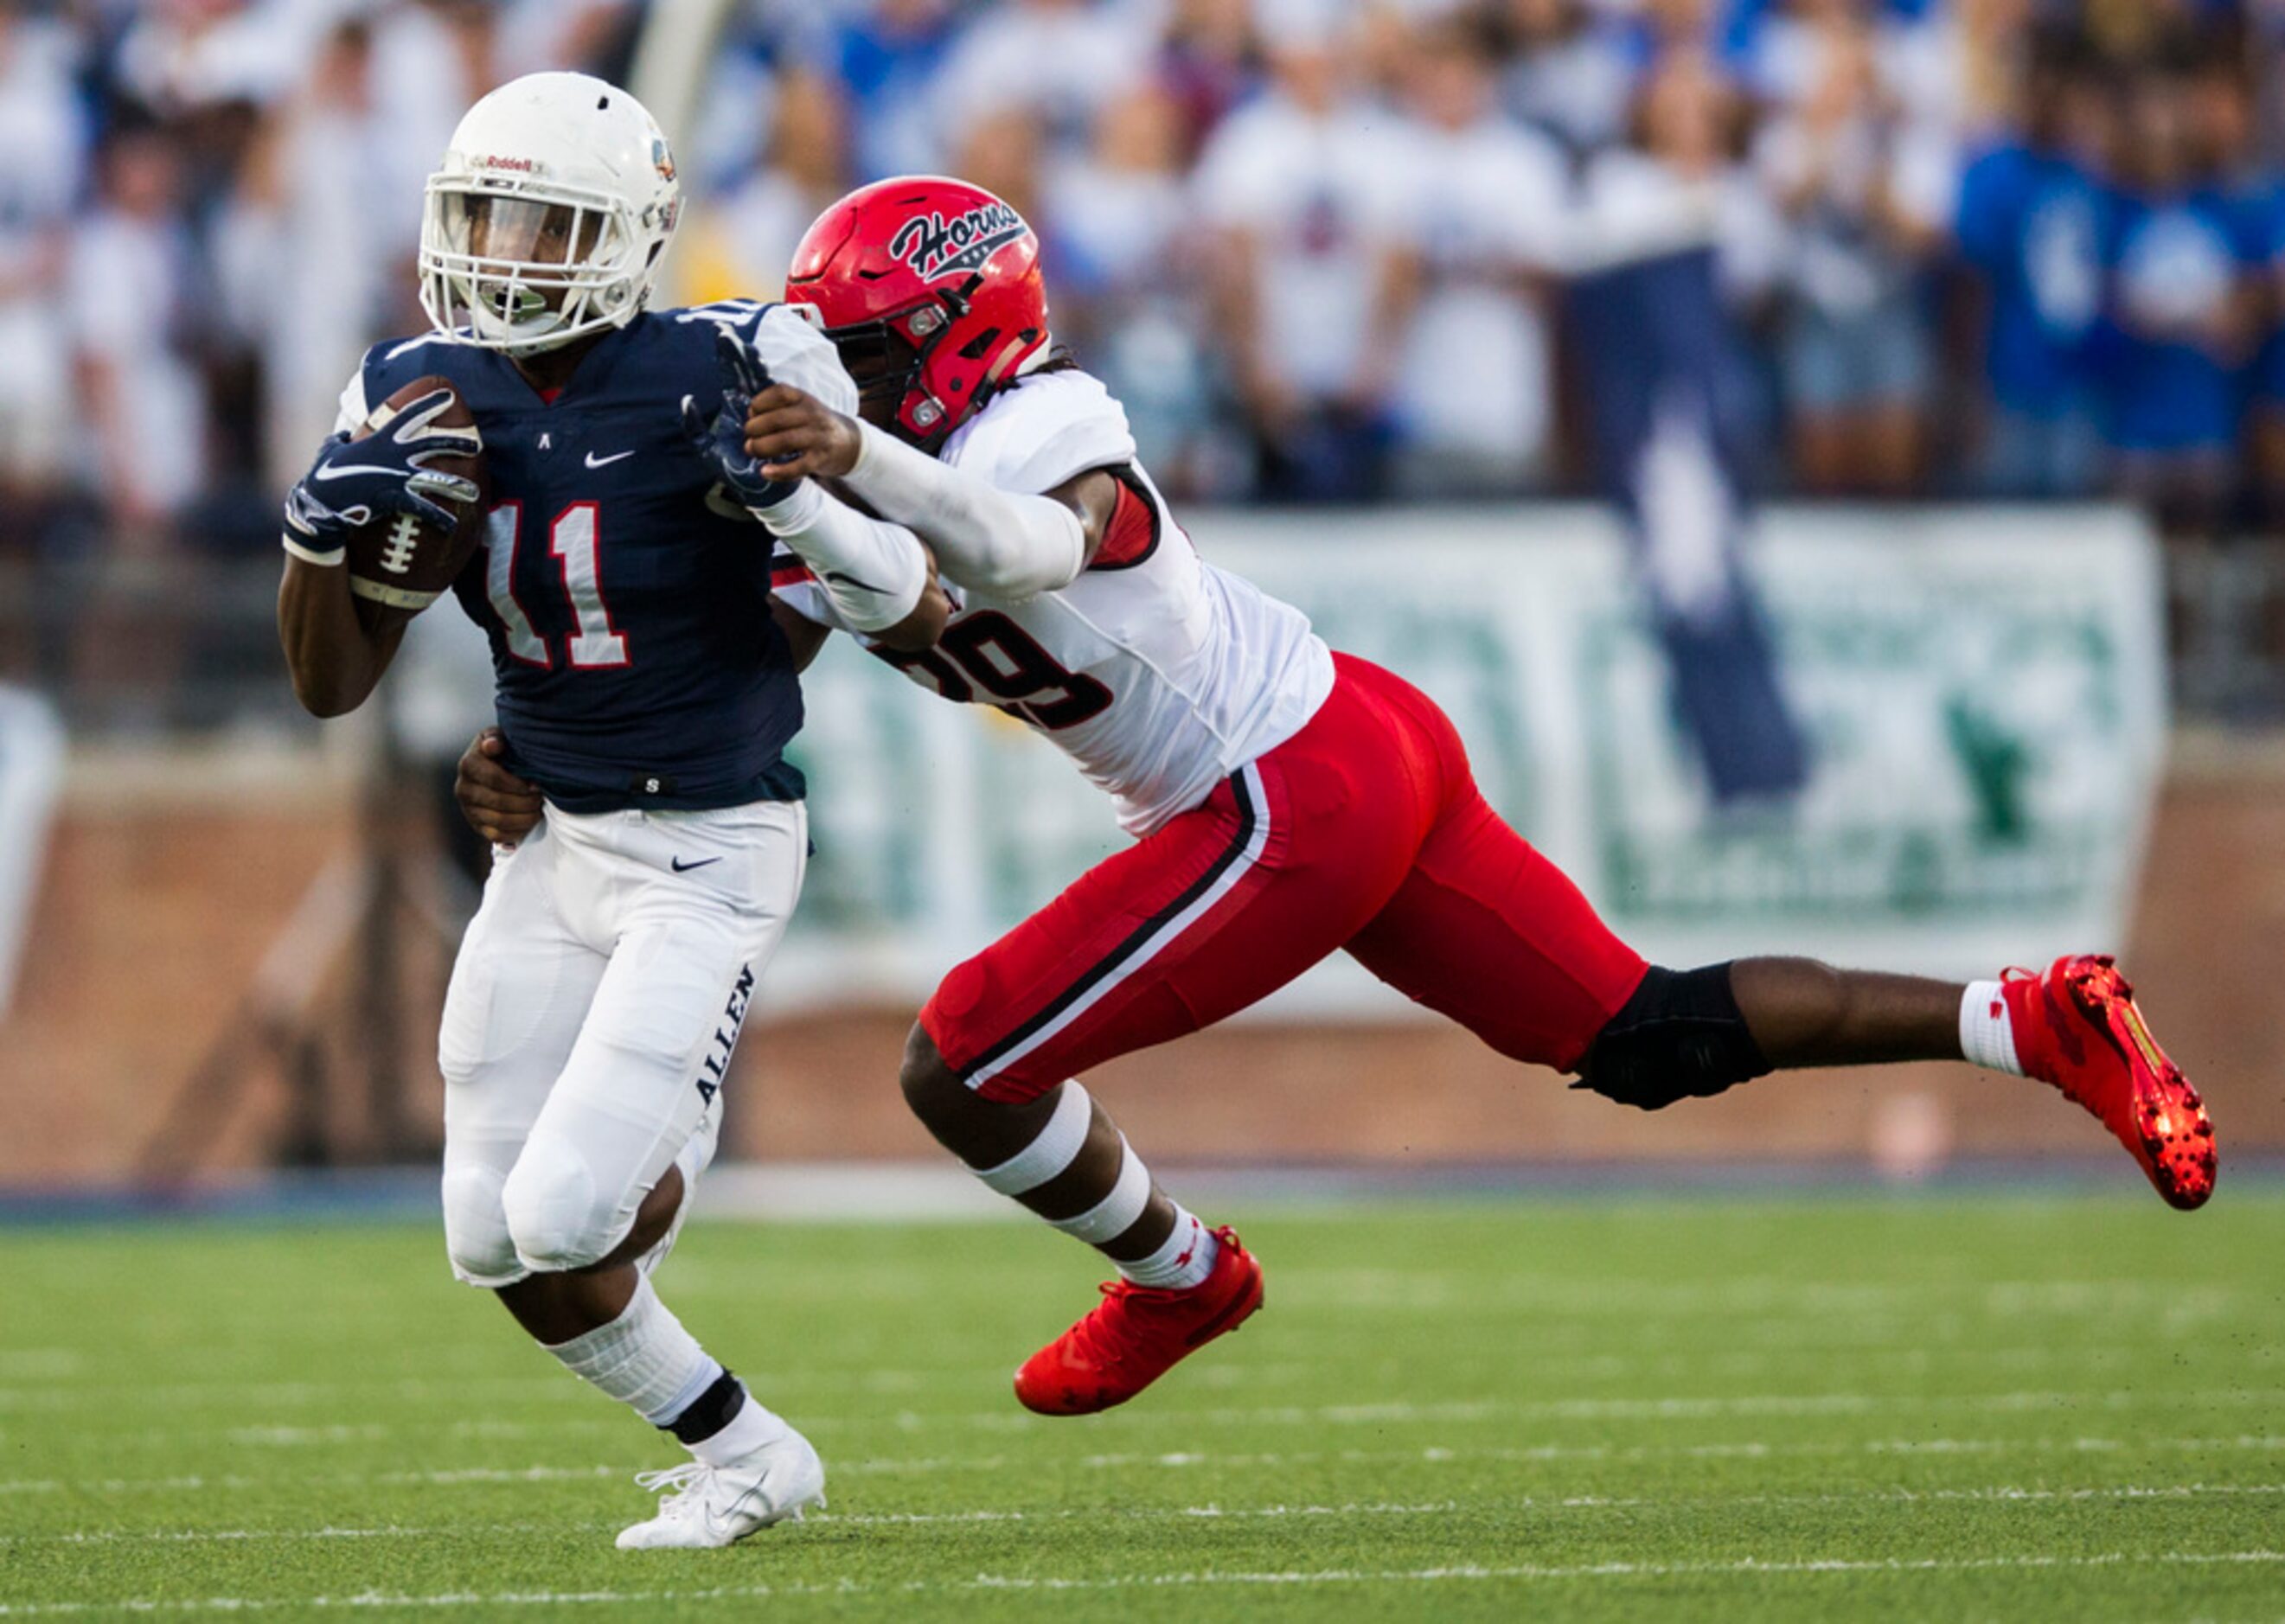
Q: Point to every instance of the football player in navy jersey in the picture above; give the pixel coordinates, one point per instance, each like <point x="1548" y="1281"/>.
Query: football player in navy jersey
<point x="645" y="687"/>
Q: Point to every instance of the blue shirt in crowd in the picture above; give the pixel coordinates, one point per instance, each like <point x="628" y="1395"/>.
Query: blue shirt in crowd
<point x="2171" y="264"/>
<point x="2032" y="223"/>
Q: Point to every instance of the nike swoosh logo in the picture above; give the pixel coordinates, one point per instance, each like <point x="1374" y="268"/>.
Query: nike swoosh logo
<point x="682" y="867"/>
<point x="594" y="462"/>
<point x="846" y="578"/>
<point x="343" y="470"/>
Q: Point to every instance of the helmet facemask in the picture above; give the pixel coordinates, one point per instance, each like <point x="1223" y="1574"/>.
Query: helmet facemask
<point x="524" y="268"/>
<point x="889" y="360"/>
<point x="885" y="365"/>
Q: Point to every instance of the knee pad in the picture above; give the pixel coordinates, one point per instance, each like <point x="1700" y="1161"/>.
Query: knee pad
<point x="1680" y="1037"/>
<point x="476" y="1236"/>
<point x="554" y="1218"/>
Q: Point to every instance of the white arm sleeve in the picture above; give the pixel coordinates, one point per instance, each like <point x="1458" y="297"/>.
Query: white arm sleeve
<point x="998" y="543"/>
<point x="873" y="573"/>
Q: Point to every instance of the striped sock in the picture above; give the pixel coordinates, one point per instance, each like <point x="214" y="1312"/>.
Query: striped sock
<point x="1188" y="1255"/>
<point x="1185" y="1259"/>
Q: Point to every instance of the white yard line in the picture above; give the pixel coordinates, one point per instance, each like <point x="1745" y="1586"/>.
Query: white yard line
<point x="1749" y="1567"/>
<point x="2003" y="1494"/>
<point x="1746" y="1449"/>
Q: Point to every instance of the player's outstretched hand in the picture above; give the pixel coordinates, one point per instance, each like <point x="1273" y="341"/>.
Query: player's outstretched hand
<point x="497" y="804"/>
<point x="718" y="436"/>
<point x="793" y="435"/>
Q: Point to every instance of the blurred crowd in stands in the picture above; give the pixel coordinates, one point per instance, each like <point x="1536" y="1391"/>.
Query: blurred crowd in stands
<point x="1322" y="249"/>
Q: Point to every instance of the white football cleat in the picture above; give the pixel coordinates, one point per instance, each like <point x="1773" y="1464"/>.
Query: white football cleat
<point x="702" y="1506"/>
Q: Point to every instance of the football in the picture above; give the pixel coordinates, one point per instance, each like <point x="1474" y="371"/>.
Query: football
<point x="400" y="563"/>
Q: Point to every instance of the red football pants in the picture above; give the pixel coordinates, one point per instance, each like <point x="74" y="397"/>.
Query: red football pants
<point x="1365" y="832"/>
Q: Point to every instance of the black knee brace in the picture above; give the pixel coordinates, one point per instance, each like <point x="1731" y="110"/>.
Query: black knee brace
<point x="1680" y="1036"/>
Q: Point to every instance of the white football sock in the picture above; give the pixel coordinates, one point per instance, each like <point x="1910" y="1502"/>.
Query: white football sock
<point x="747" y="1431"/>
<point x="1185" y="1259"/>
<point x="644" y="1359"/>
<point x="1987" y="1034"/>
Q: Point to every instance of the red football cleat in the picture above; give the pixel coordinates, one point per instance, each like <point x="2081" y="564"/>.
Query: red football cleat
<point x="2076" y="1027"/>
<point x="1137" y="1334"/>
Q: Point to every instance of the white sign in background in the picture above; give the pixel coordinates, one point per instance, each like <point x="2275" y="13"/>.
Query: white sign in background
<point x="1983" y="689"/>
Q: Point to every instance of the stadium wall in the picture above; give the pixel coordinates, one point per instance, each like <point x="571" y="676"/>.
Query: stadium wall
<point x="210" y="911"/>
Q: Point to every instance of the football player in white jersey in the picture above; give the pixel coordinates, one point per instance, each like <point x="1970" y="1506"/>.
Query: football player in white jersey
<point x="1286" y="802"/>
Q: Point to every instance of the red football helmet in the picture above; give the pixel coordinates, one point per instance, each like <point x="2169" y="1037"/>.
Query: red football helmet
<point x="931" y="290"/>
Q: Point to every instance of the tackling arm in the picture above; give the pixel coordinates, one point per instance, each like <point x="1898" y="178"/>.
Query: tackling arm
<point x="877" y="574"/>
<point x="1001" y="544"/>
<point x="995" y="542"/>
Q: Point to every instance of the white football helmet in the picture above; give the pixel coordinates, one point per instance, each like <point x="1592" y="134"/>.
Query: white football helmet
<point x="548" y="217"/>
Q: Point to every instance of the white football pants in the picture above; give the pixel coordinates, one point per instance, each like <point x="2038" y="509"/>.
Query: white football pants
<point x="593" y="1009"/>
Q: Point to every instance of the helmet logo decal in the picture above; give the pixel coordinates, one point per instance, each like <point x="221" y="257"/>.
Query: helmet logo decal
<point x="661" y="158"/>
<point x="935" y="246"/>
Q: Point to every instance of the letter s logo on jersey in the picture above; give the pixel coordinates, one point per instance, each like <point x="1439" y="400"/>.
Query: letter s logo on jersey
<point x="935" y="246"/>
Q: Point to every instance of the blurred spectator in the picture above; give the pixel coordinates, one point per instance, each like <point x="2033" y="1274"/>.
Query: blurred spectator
<point x="1854" y="351"/>
<point x="2180" y="312"/>
<point x="742" y="246"/>
<point x="1565" y="75"/>
<point x="1489" y="214"/>
<point x="204" y="69"/>
<point x="2030" y="222"/>
<point x="2267" y="384"/>
<point x="136" y="310"/>
<point x="318" y="254"/>
<point x="1962" y="64"/>
<point x="2230" y="114"/>
<point x="535" y="34"/>
<point x="182" y="57"/>
<point x="1646" y="32"/>
<point x="888" y="56"/>
<point x="44" y="134"/>
<point x="1206" y="64"/>
<point x="1056" y="60"/>
<point x="1127" y="295"/>
<point x="1309" y="241"/>
<point x="430" y="61"/>
<point x="1313" y="275"/>
<point x="1677" y="184"/>
<point x="1004" y="151"/>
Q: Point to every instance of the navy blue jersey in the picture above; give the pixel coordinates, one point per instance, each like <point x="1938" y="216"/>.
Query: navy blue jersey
<point x="636" y="660"/>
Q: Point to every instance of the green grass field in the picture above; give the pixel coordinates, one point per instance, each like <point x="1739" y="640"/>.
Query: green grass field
<point x="1987" y="1408"/>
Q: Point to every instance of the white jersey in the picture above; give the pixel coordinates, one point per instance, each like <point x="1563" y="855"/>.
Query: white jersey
<point x="1157" y="673"/>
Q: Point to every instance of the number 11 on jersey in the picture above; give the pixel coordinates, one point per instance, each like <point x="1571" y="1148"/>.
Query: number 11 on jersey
<point x="575" y="541"/>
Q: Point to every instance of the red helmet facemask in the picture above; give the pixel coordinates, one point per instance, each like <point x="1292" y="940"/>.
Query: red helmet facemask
<point x="930" y="290"/>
